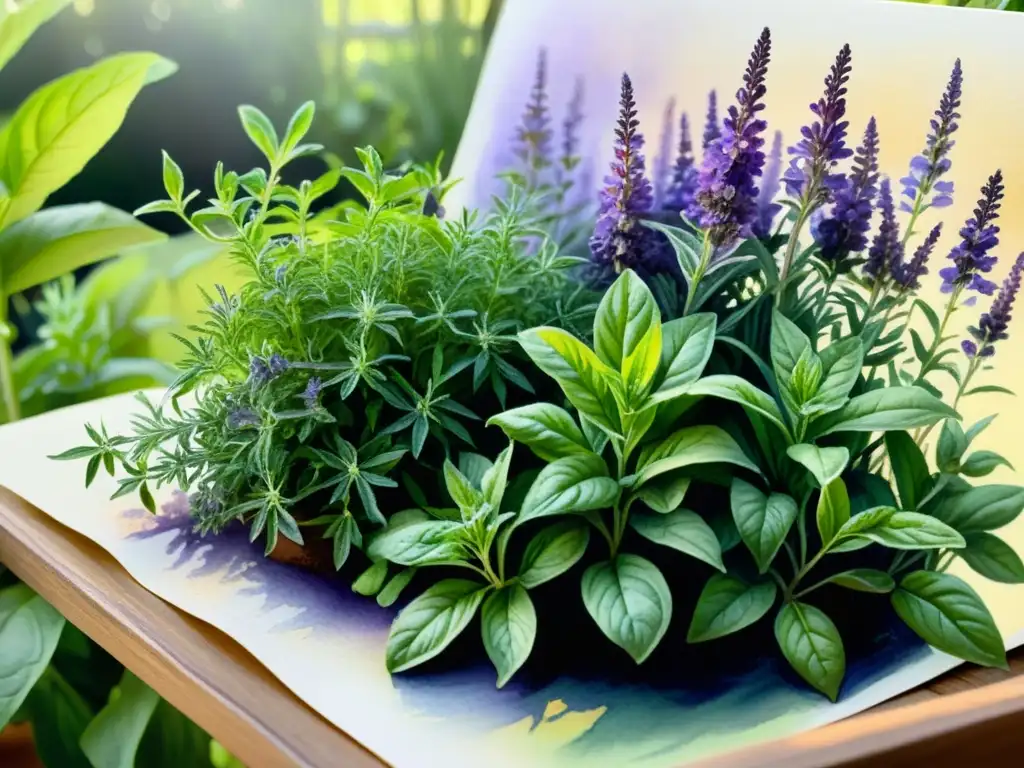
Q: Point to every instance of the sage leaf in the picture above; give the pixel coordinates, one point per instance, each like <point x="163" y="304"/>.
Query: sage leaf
<point x="763" y="520"/>
<point x="689" y="446"/>
<point x="509" y="626"/>
<point x="909" y="468"/>
<point x="993" y="558"/>
<point x="686" y="347"/>
<point x="495" y="479"/>
<point x="587" y="383"/>
<point x="576" y="483"/>
<point x="29" y="630"/>
<point x="865" y="580"/>
<point x="983" y="508"/>
<point x="389" y="595"/>
<point x="683" y="531"/>
<point x="833" y="510"/>
<point x="982" y="463"/>
<point x="952" y="445"/>
<point x="825" y="464"/>
<point x="112" y="738"/>
<point x="912" y="530"/>
<point x="428" y="624"/>
<point x="427" y="543"/>
<point x="371" y="580"/>
<point x="553" y="551"/>
<point x="740" y="391"/>
<point x="812" y="646"/>
<point x="629" y="600"/>
<point x="727" y="605"/>
<point x="461" y="489"/>
<point x="950" y="616"/>
<point x="883" y="410"/>
<point x="547" y="430"/>
<point x="63" y="124"/>
<point x="866" y="520"/>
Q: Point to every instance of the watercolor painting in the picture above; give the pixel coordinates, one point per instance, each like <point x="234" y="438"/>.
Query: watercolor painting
<point x="309" y="630"/>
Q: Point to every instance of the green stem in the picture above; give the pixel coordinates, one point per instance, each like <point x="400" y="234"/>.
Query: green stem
<point x="803" y="572"/>
<point x="8" y="389"/>
<point x="937" y="341"/>
<point x="791" y="244"/>
<point x="702" y="266"/>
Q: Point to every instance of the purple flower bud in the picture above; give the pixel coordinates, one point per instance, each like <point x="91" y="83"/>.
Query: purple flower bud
<point x="926" y="169"/>
<point x="886" y="248"/>
<point x="311" y="396"/>
<point x="979" y="235"/>
<point x="767" y="208"/>
<point x="823" y="143"/>
<point x="683" y="186"/>
<point x="727" y="193"/>
<point x="908" y="275"/>
<point x="277" y="365"/>
<point x="661" y="173"/>
<point x="259" y="371"/>
<point x="845" y="230"/>
<point x="533" y="136"/>
<point x="712" y="128"/>
<point x="619" y="240"/>
<point x="240" y="418"/>
<point x="993" y="324"/>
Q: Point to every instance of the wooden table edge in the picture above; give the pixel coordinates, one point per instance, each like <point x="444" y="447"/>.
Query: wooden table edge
<point x="240" y="703"/>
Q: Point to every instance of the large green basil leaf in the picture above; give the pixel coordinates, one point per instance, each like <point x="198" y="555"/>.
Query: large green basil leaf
<point x="788" y="346"/>
<point x="993" y="558"/>
<point x="763" y="521"/>
<point x="431" y="542"/>
<point x="428" y="624"/>
<point x="665" y="494"/>
<point x="982" y="463"/>
<point x="883" y="410"/>
<point x="689" y="446"/>
<point x="547" y="430"/>
<point x="59" y="716"/>
<point x="909" y="468"/>
<point x="912" y="530"/>
<point x="29" y="630"/>
<point x="59" y="128"/>
<point x="727" y="605"/>
<point x="112" y="739"/>
<point x="741" y="392"/>
<point x="588" y="383"/>
<point x="61" y="239"/>
<point x="627" y="333"/>
<point x="576" y="483"/>
<point x="509" y="626"/>
<point x="553" y="551"/>
<point x="833" y="510"/>
<point x="953" y="443"/>
<point x="984" y="508"/>
<point x="629" y="600"/>
<point x="686" y="347"/>
<point x="682" y="530"/>
<point x="826" y="464"/>
<point x="950" y="616"/>
<point x="812" y="646"/>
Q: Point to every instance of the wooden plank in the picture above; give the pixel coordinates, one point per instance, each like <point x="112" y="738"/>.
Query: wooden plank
<point x="969" y="716"/>
<point x="197" y="668"/>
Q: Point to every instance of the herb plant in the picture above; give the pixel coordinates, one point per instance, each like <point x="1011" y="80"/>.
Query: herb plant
<point x="753" y="392"/>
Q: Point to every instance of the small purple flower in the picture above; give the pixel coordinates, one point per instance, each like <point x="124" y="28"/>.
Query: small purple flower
<point x="618" y="240"/>
<point x="683" y="186"/>
<point x="533" y="136"/>
<point x="993" y="324"/>
<point x="311" y="396"/>
<point x="823" y="143"/>
<point x="907" y="275"/>
<point x="432" y="206"/>
<point x="886" y="248"/>
<point x="259" y="371"/>
<point x="727" y="193"/>
<point x="280" y="272"/>
<point x="712" y="128"/>
<point x="927" y="168"/>
<point x="661" y="174"/>
<point x="240" y="418"/>
<point x="767" y="208"/>
<point x="277" y="365"/>
<point x="845" y="231"/>
<point x="970" y="257"/>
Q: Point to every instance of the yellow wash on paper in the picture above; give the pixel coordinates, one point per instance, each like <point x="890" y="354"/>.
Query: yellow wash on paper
<point x="556" y="728"/>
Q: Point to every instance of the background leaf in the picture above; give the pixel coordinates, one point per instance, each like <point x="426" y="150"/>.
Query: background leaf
<point x="29" y="631"/>
<point x="112" y="739"/>
<point x="18" y="24"/>
<point x="909" y="468"/>
<point x="763" y="520"/>
<point x="993" y="558"/>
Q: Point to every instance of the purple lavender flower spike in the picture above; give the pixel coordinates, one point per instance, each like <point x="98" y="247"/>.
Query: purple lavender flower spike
<point x="823" y="143"/>
<point x="845" y="231"/>
<point x="979" y="235"/>
<point x="311" y="395"/>
<point x="240" y="418"/>
<point x="926" y="169"/>
<point x="277" y="365"/>
<point x="886" y="248"/>
<point x="570" y="136"/>
<point x="683" y="185"/>
<point x="661" y="174"/>
<point x="727" y="193"/>
<point x="907" y="275"/>
<point x="993" y="324"/>
<point x="533" y="136"/>
<point x="712" y="128"/>
<point x="618" y="237"/>
<point x="259" y="371"/>
<point x="767" y="208"/>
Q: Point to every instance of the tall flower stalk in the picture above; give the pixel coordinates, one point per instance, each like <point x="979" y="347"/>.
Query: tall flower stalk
<point x="810" y="179"/>
<point x="533" y="136"/>
<point x="662" y="171"/>
<point x="682" y="189"/>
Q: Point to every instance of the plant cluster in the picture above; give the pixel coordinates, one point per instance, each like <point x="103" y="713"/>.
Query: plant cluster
<point x="743" y="398"/>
